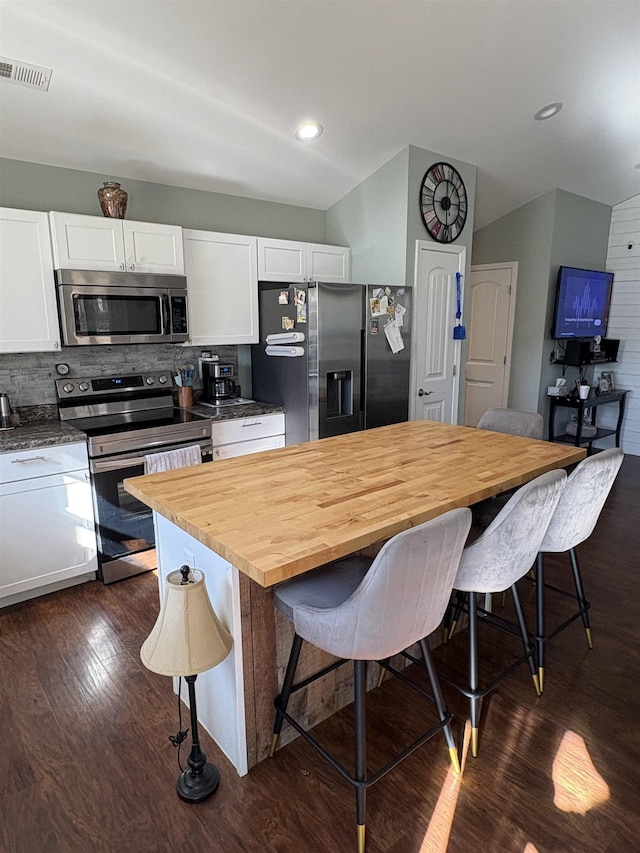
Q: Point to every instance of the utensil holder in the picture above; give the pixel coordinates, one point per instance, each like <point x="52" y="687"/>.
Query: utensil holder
<point x="185" y="396"/>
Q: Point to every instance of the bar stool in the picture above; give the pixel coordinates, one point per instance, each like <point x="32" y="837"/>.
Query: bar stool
<point x="513" y="422"/>
<point x="573" y="521"/>
<point x="360" y="611"/>
<point x="496" y="561"/>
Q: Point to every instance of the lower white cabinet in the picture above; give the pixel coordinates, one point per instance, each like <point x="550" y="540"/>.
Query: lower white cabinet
<point x="28" y="313"/>
<point x="47" y="533"/>
<point x="223" y="287"/>
<point x="240" y="436"/>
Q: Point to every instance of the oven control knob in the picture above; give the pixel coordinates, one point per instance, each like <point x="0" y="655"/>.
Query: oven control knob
<point x="83" y="386"/>
<point x="162" y="379"/>
<point x="150" y="380"/>
<point x="68" y="387"/>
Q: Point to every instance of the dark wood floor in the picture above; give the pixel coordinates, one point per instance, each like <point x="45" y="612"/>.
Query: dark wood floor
<point x="86" y="764"/>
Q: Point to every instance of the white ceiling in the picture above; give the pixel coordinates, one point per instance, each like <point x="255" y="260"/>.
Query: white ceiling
<point x="207" y="93"/>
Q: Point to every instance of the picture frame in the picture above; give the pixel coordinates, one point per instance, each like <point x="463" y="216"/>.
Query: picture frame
<point x="606" y="382"/>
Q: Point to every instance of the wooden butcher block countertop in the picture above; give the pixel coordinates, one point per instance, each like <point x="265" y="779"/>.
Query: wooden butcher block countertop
<point x="279" y="513"/>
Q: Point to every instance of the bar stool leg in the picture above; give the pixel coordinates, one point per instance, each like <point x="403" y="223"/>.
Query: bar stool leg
<point x="577" y="578"/>
<point x="359" y="692"/>
<point x="474" y="699"/>
<point x="382" y="672"/>
<point x="540" y="617"/>
<point x="528" y="648"/>
<point x="456" y="612"/>
<point x="439" y="702"/>
<point x="283" y="699"/>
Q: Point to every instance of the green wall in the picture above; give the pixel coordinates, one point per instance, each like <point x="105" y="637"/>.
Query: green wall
<point x="380" y="219"/>
<point x="372" y="219"/>
<point x="555" y="228"/>
<point x="31" y="186"/>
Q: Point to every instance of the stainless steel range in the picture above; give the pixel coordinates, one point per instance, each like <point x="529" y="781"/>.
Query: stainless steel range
<point x="126" y="417"/>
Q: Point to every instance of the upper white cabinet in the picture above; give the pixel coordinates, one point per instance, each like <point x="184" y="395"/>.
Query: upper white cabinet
<point x="100" y="243"/>
<point x="289" y="260"/>
<point x="28" y="315"/>
<point x="222" y="280"/>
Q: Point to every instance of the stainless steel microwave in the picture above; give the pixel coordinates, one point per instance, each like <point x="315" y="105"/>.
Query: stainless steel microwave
<point x="121" y="308"/>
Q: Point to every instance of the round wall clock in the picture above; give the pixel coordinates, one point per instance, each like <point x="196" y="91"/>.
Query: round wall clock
<point x="443" y="202"/>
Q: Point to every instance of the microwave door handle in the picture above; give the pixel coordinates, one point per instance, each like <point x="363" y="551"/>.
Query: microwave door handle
<point x="166" y="316"/>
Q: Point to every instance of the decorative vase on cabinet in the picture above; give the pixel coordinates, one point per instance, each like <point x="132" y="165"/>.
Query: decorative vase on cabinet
<point x="113" y="200"/>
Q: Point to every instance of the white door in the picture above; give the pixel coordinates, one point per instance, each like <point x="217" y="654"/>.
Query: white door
<point x="87" y="242"/>
<point x="223" y="287"/>
<point x="153" y="248"/>
<point x="28" y="313"/>
<point x="281" y="260"/>
<point x="435" y="353"/>
<point x="328" y="263"/>
<point x="492" y="293"/>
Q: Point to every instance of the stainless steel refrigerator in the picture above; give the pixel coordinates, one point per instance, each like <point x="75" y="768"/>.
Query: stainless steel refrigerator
<point x="336" y="356"/>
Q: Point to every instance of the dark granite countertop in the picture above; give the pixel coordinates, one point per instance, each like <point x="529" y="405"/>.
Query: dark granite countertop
<point x="244" y="410"/>
<point x="45" y="431"/>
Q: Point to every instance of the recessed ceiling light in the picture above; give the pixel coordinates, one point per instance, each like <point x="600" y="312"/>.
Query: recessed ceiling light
<point x="548" y="111"/>
<point x="308" y="131"/>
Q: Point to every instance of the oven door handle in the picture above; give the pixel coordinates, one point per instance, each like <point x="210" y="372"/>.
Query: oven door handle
<point x="120" y="463"/>
<point x="99" y="466"/>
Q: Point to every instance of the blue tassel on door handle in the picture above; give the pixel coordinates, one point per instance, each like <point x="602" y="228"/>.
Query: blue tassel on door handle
<point x="459" y="331"/>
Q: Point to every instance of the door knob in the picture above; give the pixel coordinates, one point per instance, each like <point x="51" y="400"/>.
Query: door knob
<point x="422" y="393"/>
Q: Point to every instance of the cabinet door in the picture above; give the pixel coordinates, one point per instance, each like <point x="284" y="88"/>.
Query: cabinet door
<point x="28" y="315"/>
<point x="87" y="242"/>
<point x="65" y="544"/>
<point x="222" y="286"/>
<point x="243" y="448"/>
<point x="281" y="260"/>
<point x="328" y="263"/>
<point x="153" y="248"/>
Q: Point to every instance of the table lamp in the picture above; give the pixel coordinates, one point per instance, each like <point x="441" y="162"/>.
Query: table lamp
<point x="188" y="638"/>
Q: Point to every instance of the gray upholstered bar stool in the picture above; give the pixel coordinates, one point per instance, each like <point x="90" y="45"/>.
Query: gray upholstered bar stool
<point x="495" y="562"/>
<point x="578" y="510"/>
<point x="364" y="611"/>
<point x="513" y="422"/>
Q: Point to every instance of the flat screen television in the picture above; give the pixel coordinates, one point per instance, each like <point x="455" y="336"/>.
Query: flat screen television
<point x="582" y="303"/>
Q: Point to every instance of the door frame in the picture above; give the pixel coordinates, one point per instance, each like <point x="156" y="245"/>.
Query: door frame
<point x="461" y="252"/>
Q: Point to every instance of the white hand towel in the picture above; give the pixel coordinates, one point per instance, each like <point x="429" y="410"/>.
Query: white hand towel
<point x="171" y="460"/>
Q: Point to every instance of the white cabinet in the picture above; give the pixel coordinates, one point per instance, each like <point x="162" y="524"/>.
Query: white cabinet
<point x="28" y="315"/>
<point x="289" y="260"/>
<point x="240" y="436"/>
<point x="222" y="277"/>
<point x="47" y="534"/>
<point x="100" y="243"/>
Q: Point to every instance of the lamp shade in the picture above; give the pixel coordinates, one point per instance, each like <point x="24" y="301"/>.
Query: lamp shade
<point x="188" y="637"/>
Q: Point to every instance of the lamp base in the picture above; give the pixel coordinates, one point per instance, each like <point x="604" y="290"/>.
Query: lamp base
<point x="197" y="787"/>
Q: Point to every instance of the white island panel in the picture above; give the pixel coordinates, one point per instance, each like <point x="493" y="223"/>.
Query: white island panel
<point x="219" y="691"/>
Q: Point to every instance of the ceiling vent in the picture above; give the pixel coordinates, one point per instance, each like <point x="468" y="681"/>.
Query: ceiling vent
<point x="23" y="74"/>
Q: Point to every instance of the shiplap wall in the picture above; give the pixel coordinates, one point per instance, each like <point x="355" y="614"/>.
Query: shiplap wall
<point x="624" y="319"/>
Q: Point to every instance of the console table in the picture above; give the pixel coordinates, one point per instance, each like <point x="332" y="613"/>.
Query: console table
<point x="592" y="402"/>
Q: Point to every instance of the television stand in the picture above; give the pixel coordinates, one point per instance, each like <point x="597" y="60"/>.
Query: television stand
<point x="592" y="402"/>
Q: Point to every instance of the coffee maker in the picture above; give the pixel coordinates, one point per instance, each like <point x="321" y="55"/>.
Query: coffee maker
<point x="220" y="383"/>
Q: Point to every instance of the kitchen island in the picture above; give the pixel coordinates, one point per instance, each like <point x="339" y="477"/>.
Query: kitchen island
<point x="254" y="521"/>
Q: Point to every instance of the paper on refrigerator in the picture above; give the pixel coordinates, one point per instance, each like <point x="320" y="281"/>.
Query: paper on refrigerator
<point x="394" y="336"/>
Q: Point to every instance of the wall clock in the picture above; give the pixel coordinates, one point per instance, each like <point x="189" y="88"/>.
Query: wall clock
<point x="443" y="202"/>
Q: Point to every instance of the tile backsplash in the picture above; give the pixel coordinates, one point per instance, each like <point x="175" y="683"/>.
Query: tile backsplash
<point x="28" y="378"/>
